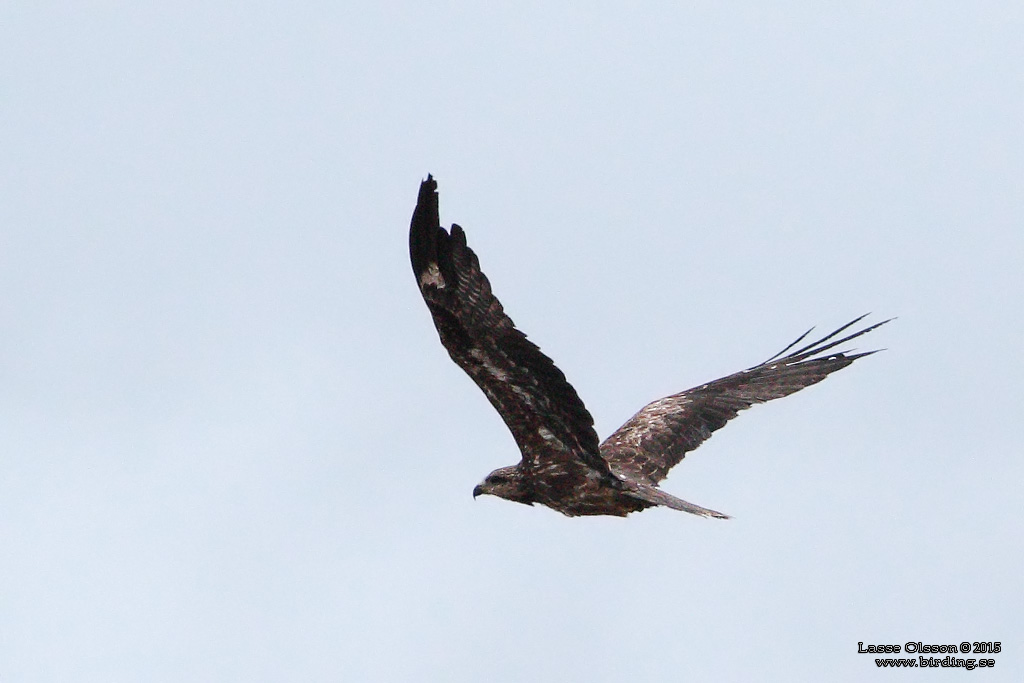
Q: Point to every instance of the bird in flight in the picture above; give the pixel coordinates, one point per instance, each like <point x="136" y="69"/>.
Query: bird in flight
<point x="563" y="464"/>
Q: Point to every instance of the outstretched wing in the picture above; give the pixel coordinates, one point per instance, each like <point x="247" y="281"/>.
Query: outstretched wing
<point x="545" y="415"/>
<point x="655" y="439"/>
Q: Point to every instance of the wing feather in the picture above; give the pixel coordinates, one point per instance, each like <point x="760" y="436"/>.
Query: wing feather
<point x="548" y="420"/>
<point x="657" y="438"/>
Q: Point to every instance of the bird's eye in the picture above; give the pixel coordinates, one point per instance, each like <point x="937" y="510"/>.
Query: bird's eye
<point x="498" y="479"/>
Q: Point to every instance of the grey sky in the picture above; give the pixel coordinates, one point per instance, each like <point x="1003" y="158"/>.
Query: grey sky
<point x="232" y="447"/>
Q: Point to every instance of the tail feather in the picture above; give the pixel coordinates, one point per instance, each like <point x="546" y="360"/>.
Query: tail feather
<point x="656" y="496"/>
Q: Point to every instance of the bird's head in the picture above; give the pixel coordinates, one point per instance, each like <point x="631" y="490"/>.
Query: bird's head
<point x="504" y="482"/>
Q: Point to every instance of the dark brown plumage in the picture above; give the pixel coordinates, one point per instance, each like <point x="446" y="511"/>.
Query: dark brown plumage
<point x="563" y="465"/>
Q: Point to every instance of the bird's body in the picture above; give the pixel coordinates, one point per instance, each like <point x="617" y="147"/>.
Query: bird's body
<point x="564" y="466"/>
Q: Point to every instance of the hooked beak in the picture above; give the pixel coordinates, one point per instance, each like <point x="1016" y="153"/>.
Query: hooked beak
<point x="478" y="490"/>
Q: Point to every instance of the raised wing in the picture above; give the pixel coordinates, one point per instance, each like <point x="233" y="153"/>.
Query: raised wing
<point x="655" y="439"/>
<point x="545" y="415"/>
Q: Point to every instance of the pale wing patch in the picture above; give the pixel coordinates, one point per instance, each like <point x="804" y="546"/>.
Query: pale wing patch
<point x="432" y="276"/>
<point x="546" y="434"/>
<point x="492" y="369"/>
<point x="521" y="393"/>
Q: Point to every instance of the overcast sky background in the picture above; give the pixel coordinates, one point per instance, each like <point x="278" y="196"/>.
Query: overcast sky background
<point x="233" y="448"/>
